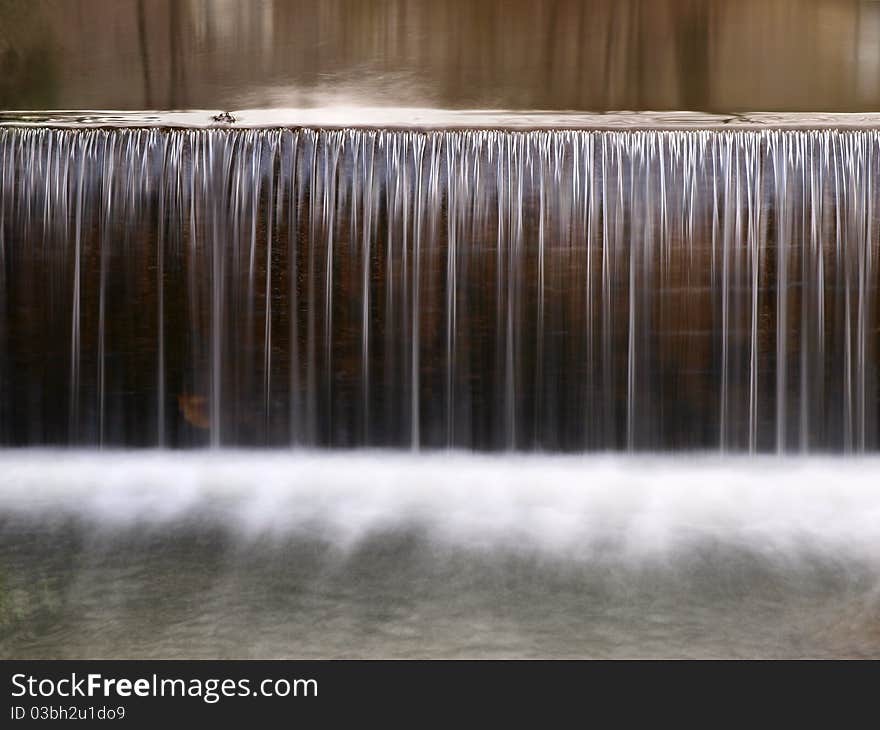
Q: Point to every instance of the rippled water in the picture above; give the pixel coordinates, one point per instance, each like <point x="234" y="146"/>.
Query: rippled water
<point x="390" y="555"/>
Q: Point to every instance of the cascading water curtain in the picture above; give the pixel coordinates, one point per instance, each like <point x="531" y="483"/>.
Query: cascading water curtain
<point x="572" y="290"/>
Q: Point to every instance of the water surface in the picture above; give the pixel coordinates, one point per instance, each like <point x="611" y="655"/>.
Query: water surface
<point x="712" y="55"/>
<point x="377" y="554"/>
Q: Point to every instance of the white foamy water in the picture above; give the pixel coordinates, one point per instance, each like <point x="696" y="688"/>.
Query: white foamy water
<point x="564" y="505"/>
<point x="390" y="554"/>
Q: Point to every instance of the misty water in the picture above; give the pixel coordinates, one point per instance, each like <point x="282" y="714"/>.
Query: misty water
<point x="297" y="391"/>
<point x="382" y="554"/>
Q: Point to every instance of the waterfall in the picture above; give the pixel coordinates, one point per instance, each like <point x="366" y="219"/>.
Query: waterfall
<point x="475" y="289"/>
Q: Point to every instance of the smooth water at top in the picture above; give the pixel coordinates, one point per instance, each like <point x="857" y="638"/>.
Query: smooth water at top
<point x="710" y="55"/>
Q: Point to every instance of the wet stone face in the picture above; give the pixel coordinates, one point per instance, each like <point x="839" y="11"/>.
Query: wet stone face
<point x="478" y="289"/>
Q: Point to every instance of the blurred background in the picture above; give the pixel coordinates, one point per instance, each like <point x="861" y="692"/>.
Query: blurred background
<point x="712" y="55"/>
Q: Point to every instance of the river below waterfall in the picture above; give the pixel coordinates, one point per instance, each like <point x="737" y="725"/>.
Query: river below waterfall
<point x="382" y="554"/>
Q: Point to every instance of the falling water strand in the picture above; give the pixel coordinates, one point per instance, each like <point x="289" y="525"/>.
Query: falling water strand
<point x="570" y="290"/>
